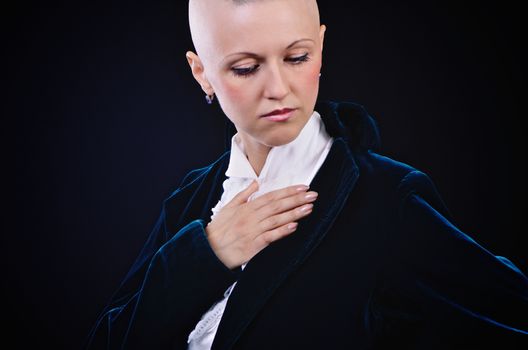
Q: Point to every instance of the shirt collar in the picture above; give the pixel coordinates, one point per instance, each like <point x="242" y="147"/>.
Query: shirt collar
<point x="281" y="160"/>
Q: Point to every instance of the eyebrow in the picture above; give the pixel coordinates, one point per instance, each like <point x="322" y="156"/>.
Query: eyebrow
<point x="251" y="54"/>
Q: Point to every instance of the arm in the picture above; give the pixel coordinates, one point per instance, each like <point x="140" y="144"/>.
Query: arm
<point x="182" y="280"/>
<point x="173" y="283"/>
<point x="174" y="279"/>
<point x="444" y="290"/>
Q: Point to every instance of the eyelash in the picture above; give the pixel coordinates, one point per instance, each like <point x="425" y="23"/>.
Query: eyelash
<point x="246" y="72"/>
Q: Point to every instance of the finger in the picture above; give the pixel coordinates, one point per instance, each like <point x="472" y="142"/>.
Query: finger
<point x="285" y="204"/>
<point x="278" y="220"/>
<point x="278" y="194"/>
<point x="243" y="196"/>
<point x="271" y="236"/>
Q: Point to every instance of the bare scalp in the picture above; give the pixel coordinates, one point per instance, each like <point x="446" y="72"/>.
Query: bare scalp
<point x="206" y="16"/>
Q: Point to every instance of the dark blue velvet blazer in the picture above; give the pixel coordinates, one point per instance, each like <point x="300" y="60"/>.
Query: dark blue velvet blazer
<point x="377" y="265"/>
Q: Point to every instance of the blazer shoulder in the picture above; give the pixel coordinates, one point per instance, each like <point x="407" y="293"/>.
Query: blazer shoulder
<point x="196" y="191"/>
<point x="383" y="168"/>
<point x="195" y="176"/>
<point x="399" y="179"/>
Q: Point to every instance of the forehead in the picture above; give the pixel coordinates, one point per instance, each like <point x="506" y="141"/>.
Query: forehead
<point x="257" y="26"/>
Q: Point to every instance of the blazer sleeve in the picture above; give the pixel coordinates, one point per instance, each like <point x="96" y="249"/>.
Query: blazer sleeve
<point x="172" y="283"/>
<point x="444" y="290"/>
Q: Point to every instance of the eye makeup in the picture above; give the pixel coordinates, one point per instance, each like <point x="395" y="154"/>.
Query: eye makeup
<point x="248" y="71"/>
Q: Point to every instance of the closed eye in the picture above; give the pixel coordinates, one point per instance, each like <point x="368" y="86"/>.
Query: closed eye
<point x="247" y="71"/>
<point x="299" y="59"/>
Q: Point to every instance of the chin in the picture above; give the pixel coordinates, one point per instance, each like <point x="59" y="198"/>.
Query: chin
<point x="283" y="139"/>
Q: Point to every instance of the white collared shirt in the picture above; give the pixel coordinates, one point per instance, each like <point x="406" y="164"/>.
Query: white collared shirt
<point x="294" y="163"/>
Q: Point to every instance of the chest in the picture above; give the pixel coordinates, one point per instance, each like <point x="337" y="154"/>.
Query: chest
<point x="325" y="302"/>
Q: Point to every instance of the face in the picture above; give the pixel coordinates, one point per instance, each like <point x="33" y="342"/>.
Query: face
<point x="256" y="58"/>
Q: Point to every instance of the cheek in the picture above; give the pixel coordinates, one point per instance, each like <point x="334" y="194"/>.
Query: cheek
<point x="235" y="99"/>
<point x="233" y="91"/>
<point x="235" y="94"/>
<point x="235" y="88"/>
<point x="311" y="78"/>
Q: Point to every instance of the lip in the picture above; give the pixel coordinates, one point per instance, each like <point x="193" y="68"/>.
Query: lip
<point x="279" y="114"/>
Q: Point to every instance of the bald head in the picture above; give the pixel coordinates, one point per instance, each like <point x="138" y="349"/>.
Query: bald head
<point x="208" y="18"/>
<point x="256" y="56"/>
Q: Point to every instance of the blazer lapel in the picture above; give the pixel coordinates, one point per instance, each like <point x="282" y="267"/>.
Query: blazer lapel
<point x="270" y="267"/>
<point x="353" y="129"/>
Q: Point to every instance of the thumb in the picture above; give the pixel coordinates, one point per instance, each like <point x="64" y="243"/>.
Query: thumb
<point x="243" y="196"/>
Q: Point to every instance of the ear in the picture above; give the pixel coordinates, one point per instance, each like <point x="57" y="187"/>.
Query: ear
<point x="198" y="72"/>
<point x="322" y="31"/>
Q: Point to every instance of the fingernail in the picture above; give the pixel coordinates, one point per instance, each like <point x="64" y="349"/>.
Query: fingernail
<point x="306" y="208"/>
<point x="302" y="188"/>
<point x="311" y="195"/>
<point x="292" y="226"/>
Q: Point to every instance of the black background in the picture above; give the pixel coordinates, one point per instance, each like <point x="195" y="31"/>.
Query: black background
<point x="102" y="119"/>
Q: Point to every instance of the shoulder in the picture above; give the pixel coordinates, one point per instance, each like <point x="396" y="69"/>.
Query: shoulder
<point x="373" y="163"/>
<point x="195" y="177"/>
<point x="198" y="188"/>
<point x="381" y="170"/>
<point x="394" y="179"/>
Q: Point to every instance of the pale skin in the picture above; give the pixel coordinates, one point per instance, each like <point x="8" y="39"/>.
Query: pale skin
<point x="255" y="58"/>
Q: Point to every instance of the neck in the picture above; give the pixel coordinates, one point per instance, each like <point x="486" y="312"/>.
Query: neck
<point x="257" y="154"/>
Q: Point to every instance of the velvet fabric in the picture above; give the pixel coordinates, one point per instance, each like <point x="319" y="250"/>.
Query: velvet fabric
<point x="378" y="264"/>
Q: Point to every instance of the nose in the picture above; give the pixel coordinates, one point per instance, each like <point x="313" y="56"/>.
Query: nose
<point x="276" y="84"/>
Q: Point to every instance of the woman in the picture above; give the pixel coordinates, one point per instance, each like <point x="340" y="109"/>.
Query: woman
<point x="333" y="246"/>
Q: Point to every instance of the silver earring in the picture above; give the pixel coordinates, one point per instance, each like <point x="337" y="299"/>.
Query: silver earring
<point x="209" y="98"/>
<point x="319" y="75"/>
